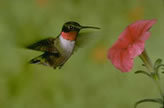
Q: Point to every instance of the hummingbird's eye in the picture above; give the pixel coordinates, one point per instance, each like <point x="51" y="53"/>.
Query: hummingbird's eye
<point x="70" y="27"/>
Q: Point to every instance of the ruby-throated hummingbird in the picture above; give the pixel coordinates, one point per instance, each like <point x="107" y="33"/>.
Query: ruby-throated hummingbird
<point x="58" y="50"/>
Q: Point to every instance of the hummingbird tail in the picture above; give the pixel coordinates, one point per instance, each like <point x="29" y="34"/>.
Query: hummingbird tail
<point x="39" y="60"/>
<point x="47" y="59"/>
<point x="36" y="60"/>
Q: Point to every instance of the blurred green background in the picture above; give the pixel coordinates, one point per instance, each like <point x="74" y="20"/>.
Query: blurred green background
<point x="88" y="79"/>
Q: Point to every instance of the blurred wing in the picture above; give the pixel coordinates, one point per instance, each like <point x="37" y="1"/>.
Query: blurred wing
<point x="85" y="38"/>
<point x="46" y="45"/>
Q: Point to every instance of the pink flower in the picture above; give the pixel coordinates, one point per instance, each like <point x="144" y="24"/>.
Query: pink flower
<point x="130" y="44"/>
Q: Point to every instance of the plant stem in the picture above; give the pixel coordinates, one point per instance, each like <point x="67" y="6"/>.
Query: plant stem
<point x="145" y="58"/>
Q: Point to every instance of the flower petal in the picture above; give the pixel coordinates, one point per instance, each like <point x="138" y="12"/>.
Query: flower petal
<point x="130" y="44"/>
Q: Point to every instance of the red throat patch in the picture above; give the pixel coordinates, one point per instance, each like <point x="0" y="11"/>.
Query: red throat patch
<point x="69" y="35"/>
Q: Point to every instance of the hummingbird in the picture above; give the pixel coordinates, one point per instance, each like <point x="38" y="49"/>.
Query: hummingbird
<point x="56" y="51"/>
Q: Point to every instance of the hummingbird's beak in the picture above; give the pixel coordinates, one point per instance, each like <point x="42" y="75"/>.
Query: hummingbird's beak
<point x="84" y="27"/>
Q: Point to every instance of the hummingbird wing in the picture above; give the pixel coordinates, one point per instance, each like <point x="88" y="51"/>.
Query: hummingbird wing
<point x="46" y="45"/>
<point x="84" y="38"/>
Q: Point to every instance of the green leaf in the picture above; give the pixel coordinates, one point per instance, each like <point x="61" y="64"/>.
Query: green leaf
<point x="143" y="72"/>
<point x="157" y="68"/>
<point x="158" y="100"/>
<point x="160" y="66"/>
<point x="157" y="62"/>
